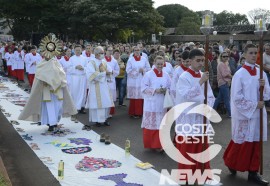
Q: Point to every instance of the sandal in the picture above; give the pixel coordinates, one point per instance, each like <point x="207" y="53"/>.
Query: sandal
<point x="86" y="127"/>
<point x="107" y="140"/>
<point x="102" y="137"/>
<point x="20" y="130"/>
<point x="34" y="146"/>
<point x="13" y="122"/>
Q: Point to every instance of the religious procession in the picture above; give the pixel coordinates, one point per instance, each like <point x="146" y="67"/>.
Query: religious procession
<point x="80" y="112"/>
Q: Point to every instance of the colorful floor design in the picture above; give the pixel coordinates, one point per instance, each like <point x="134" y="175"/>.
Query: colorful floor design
<point x="58" y="133"/>
<point x="59" y="144"/>
<point x="118" y="179"/>
<point x="85" y="167"/>
<point x="77" y="150"/>
<point x="90" y="164"/>
<point x="80" y="141"/>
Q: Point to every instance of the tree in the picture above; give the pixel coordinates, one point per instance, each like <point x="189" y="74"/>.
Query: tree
<point x="229" y="18"/>
<point x="189" y="25"/>
<point x="26" y="17"/>
<point x="111" y="18"/>
<point x="257" y="12"/>
<point x="93" y="19"/>
<point x="173" y="13"/>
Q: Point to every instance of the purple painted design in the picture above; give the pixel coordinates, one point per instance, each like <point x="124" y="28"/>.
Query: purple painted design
<point x="90" y="164"/>
<point x="80" y="141"/>
<point x="118" y="179"/>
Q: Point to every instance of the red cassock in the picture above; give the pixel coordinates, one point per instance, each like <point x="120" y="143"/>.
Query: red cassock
<point x="13" y="73"/>
<point x="20" y="74"/>
<point x="9" y="69"/>
<point x="151" y="139"/>
<point x="31" y="78"/>
<point x="112" y="110"/>
<point x="135" y="107"/>
<point x="185" y="148"/>
<point x="242" y="157"/>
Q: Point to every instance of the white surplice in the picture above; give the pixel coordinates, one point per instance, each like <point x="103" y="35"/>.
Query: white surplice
<point x="19" y="60"/>
<point x="99" y="94"/>
<point x="244" y="100"/>
<point x="9" y="58"/>
<point x="31" y="59"/>
<point x="78" y="81"/>
<point x="26" y="62"/>
<point x="176" y="74"/>
<point x="111" y="78"/>
<point x="188" y="89"/>
<point x="67" y="66"/>
<point x="153" y="110"/>
<point x="134" y="77"/>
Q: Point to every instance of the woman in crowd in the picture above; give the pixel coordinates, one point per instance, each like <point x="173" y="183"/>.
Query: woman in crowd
<point x="224" y="80"/>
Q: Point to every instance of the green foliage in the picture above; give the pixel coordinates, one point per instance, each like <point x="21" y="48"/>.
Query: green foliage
<point x="2" y="181"/>
<point x="92" y="19"/>
<point x="173" y="13"/>
<point x="229" y="18"/>
<point x="189" y="26"/>
<point x="25" y="17"/>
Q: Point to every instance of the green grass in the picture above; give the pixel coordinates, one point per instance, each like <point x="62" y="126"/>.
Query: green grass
<point x="2" y="181"/>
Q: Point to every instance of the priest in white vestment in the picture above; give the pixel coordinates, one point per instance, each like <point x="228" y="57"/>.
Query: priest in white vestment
<point x="78" y="79"/>
<point x="154" y="86"/>
<point x="99" y="99"/>
<point x="49" y="99"/>
<point x="243" y="152"/>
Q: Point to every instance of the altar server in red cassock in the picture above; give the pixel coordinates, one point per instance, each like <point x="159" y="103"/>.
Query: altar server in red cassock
<point x="242" y="153"/>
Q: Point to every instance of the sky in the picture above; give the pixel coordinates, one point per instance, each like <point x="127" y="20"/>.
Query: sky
<point x="236" y="6"/>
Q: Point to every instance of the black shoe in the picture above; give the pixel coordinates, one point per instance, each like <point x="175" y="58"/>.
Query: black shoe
<point x="107" y="123"/>
<point x="82" y="111"/>
<point x="87" y="127"/>
<point x="107" y="140"/>
<point x="255" y="177"/>
<point x="102" y="137"/>
<point x="232" y="171"/>
<point x="98" y="124"/>
<point x="51" y="128"/>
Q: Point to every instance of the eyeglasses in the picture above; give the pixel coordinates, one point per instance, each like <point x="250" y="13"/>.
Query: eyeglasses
<point x="253" y="53"/>
<point x="177" y="53"/>
<point x="225" y="56"/>
<point x="101" y="53"/>
<point x="136" y="50"/>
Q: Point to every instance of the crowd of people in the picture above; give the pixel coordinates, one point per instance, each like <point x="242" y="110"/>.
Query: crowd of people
<point x="99" y="75"/>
